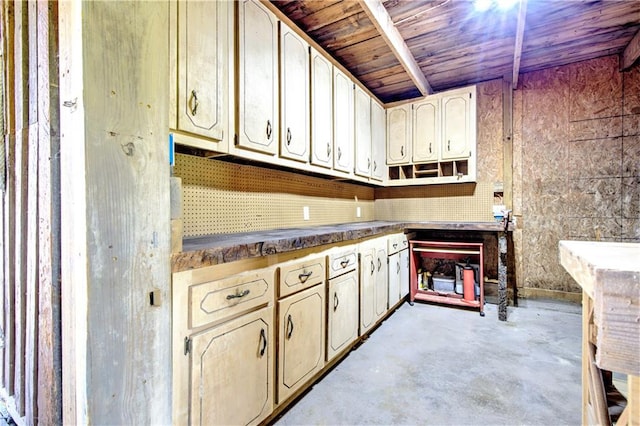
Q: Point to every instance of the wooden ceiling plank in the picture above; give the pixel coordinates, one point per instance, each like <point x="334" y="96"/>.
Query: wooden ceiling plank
<point x="517" y="52"/>
<point x="382" y="21"/>
<point x="631" y="53"/>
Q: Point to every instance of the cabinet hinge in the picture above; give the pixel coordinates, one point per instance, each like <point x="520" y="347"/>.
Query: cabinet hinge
<point x="187" y="345"/>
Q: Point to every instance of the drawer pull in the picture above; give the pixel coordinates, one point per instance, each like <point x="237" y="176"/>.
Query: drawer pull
<point x="305" y="276"/>
<point x="336" y="301"/>
<point x="344" y="263"/>
<point x="395" y="245"/>
<point x="289" y="327"/>
<point x="238" y="295"/>
<point x="263" y="338"/>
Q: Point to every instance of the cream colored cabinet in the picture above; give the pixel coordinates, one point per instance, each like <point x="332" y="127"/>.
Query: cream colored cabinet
<point x="301" y="339"/>
<point x="223" y="317"/>
<point x="373" y="282"/>
<point x="343" y="138"/>
<point x="342" y="313"/>
<point x="457" y="132"/>
<point x="321" y="110"/>
<point x="232" y="371"/>
<point x="257" y="78"/>
<point x="399" y="134"/>
<point x="295" y="103"/>
<point x="200" y="84"/>
<point x="426" y="131"/>
<point x="378" y="140"/>
<point x="397" y="248"/>
<point x="362" y="123"/>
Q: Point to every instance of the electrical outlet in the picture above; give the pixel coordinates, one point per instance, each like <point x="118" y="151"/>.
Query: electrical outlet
<point x="358" y="212"/>
<point x="305" y="213"/>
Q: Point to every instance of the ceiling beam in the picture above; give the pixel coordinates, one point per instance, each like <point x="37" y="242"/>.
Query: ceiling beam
<point x="383" y="23"/>
<point x="631" y="53"/>
<point x="517" y="51"/>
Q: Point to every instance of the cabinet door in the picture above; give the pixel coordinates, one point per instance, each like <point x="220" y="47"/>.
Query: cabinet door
<point x="232" y="371"/>
<point x="257" y="77"/>
<point x="203" y="56"/>
<point x="394" y="279"/>
<point x="342" y="313"/>
<point x="342" y="122"/>
<point x="399" y="135"/>
<point x="294" y="66"/>
<point x="367" y="290"/>
<point x="378" y="139"/>
<point x="381" y="281"/>
<point x="456" y="126"/>
<point x="362" y="132"/>
<point x="404" y="273"/>
<point x="321" y="110"/>
<point x="301" y="339"/>
<point x="426" y="131"/>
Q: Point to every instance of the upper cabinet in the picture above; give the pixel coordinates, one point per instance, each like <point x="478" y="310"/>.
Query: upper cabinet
<point x="362" y="125"/>
<point x="201" y="43"/>
<point x="444" y="141"/>
<point x="426" y="131"/>
<point x="257" y="78"/>
<point x="343" y="122"/>
<point x="399" y="134"/>
<point x="456" y="130"/>
<point x="321" y="110"/>
<point x="294" y="86"/>
<point x="378" y="140"/>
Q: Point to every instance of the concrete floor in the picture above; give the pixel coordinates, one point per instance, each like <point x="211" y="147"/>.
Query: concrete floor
<point x="433" y="365"/>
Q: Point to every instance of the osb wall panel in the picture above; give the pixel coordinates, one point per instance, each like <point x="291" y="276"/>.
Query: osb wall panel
<point x="459" y="202"/>
<point x="576" y="160"/>
<point x="220" y="198"/>
<point x="489" y="131"/>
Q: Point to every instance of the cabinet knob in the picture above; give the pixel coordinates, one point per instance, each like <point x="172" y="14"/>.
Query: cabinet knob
<point x="193" y="103"/>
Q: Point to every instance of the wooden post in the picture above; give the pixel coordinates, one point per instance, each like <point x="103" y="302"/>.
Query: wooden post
<point x="115" y="212"/>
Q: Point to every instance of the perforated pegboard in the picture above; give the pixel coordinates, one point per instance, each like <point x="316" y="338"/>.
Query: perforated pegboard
<point x="220" y="197"/>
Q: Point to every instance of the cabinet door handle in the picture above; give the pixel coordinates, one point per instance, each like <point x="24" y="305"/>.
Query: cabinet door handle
<point x="263" y="338"/>
<point x="429" y="147"/>
<point x="305" y="276"/>
<point x="398" y="267"/>
<point x="373" y="268"/>
<point x="289" y="326"/>
<point x="339" y="153"/>
<point x="336" y="301"/>
<point x="368" y="163"/>
<point x="379" y="264"/>
<point x="268" y="129"/>
<point x="375" y="166"/>
<point x="288" y="136"/>
<point x="344" y="263"/>
<point x="238" y="295"/>
<point x="193" y="103"/>
<point x="402" y="151"/>
<point x="448" y="145"/>
<point x="328" y="149"/>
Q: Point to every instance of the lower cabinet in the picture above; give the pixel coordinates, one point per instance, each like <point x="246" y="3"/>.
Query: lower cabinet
<point x="398" y="250"/>
<point x="232" y="371"/>
<point x="373" y="282"/>
<point x="301" y="339"/>
<point x="342" y="313"/>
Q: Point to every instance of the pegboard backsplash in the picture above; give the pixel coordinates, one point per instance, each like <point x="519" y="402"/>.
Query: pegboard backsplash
<point x="221" y="198"/>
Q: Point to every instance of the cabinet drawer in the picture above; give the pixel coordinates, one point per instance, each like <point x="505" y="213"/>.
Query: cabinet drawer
<point x="342" y="262"/>
<point x="396" y="243"/>
<point x="216" y="300"/>
<point x="301" y="274"/>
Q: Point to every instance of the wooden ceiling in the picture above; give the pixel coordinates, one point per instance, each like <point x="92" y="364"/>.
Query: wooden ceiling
<point x="400" y="49"/>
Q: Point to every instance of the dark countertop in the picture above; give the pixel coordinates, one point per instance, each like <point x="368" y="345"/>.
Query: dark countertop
<point x="210" y="250"/>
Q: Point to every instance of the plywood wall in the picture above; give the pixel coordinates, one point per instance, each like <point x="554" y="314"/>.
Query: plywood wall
<point x="221" y="198"/>
<point x="576" y="164"/>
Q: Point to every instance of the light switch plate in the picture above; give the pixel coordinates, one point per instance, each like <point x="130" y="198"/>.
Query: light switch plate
<point x="358" y="212"/>
<point x="305" y="212"/>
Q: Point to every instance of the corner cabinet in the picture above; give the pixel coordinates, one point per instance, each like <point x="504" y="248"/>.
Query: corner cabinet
<point x="294" y="86"/>
<point x="257" y="78"/>
<point x="201" y="45"/>
<point x="444" y="141"/>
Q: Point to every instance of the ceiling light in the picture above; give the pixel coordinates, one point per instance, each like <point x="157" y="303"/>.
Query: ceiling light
<point x="506" y="4"/>
<point x="482" y="5"/>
